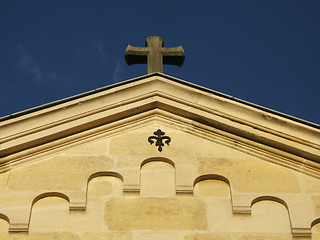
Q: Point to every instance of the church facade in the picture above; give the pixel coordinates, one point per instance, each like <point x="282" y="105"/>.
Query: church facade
<point x="158" y="158"/>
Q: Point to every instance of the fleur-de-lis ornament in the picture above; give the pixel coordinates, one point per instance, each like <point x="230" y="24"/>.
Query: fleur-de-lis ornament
<point x="159" y="137"/>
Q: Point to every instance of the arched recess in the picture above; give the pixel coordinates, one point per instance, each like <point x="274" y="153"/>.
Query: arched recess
<point x="5" y="225"/>
<point x="277" y="219"/>
<point x="215" y="177"/>
<point x="47" y="212"/>
<point x="269" y="198"/>
<point x="157" y="159"/>
<point x="50" y="194"/>
<point x="103" y="174"/>
<point x="215" y="191"/>
<point x="157" y="177"/>
<point x="315" y="229"/>
<point x="315" y="222"/>
<point x="4" y="217"/>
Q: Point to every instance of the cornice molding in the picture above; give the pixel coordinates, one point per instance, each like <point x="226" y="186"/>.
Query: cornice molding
<point x="25" y="134"/>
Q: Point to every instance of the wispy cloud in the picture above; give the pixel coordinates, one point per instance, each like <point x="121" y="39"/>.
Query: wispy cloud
<point x="117" y="71"/>
<point x="29" y="65"/>
<point x="101" y="50"/>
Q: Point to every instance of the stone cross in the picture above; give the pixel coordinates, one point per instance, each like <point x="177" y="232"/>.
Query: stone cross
<point x="154" y="55"/>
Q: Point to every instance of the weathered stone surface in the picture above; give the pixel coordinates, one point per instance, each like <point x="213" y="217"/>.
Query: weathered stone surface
<point x="95" y="148"/>
<point x="271" y="217"/>
<point x="316" y="232"/>
<point x="159" y="235"/>
<point x="157" y="180"/>
<point x="213" y="188"/>
<point x="154" y="54"/>
<point x="99" y="187"/>
<point x="182" y="144"/>
<point x="4" y="177"/>
<point x="67" y="236"/>
<point x="265" y="237"/>
<point x="60" y="172"/>
<point x="40" y="236"/>
<point x="267" y="216"/>
<point x="155" y="214"/>
<point x="4" y="225"/>
<point x="50" y="214"/>
<point x="316" y="204"/>
<point x="107" y="236"/>
<point x="130" y="143"/>
<point x="252" y="174"/>
<point x="208" y="236"/>
<point x="310" y="184"/>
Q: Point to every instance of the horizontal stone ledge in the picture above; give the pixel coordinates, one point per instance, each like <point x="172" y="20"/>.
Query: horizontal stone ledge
<point x="301" y="232"/>
<point x="241" y="210"/>
<point x="77" y="206"/>
<point x="18" y="227"/>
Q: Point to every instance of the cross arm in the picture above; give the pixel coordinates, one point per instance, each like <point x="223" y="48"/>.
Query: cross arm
<point x="173" y="56"/>
<point x="135" y="55"/>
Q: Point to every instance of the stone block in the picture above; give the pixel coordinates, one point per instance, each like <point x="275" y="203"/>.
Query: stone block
<point x="4" y="225"/>
<point x="316" y="232"/>
<point x="60" y="172"/>
<point x="98" y="187"/>
<point x="131" y="143"/>
<point x="159" y="235"/>
<point x="157" y="180"/>
<point x="316" y="204"/>
<point x="208" y="236"/>
<point x="40" y="236"/>
<point x="252" y="174"/>
<point x="107" y="236"/>
<point x="265" y="237"/>
<point x="211" y="188"/>
<point x="155" y="214"/>
<point x="95" y="148"/>
<point x="51" y="213"/>
<point x="4" y="178"/>
<point x="310" y="184"/>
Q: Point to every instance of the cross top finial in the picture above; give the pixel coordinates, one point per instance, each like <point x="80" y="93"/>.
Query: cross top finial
<point x="154" y="55"/>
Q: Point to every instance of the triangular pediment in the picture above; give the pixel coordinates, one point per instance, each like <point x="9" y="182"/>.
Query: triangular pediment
<point x="210" y="115"/>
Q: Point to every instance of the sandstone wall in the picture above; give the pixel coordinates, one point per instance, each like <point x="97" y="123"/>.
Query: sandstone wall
<point x="121" y="187"/>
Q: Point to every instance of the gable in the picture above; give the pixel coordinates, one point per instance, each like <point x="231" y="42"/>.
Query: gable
<point x="223" y="152"/>
<point x="105" y="110"/>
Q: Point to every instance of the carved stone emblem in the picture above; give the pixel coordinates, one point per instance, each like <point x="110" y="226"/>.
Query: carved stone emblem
<point x="159" y="138"/>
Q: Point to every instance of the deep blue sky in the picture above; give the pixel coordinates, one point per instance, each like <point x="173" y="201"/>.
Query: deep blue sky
<point x="266" y="52"/>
